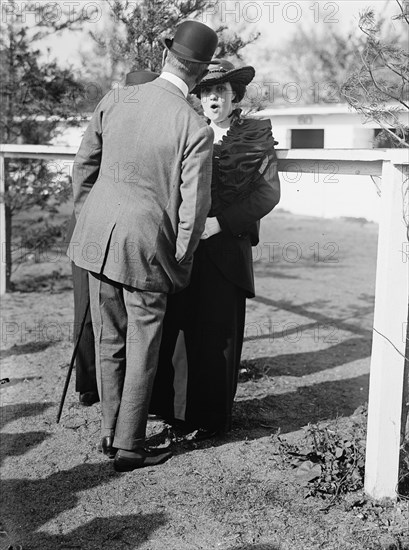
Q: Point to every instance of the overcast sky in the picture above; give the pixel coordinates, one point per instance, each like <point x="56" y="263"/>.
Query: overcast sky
<point x="274" y="19"/>
<point x="281" y="21"/>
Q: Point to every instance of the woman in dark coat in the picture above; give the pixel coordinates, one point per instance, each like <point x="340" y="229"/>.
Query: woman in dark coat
<point x="211" y="310"/>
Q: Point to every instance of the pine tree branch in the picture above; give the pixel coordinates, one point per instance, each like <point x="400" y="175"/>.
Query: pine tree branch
<point x="391" y="68"/>
<point x="404" y="16"/>
<point x="378" y="87"/>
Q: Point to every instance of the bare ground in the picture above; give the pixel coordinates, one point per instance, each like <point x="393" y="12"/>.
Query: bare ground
<point x="305" y="360"/>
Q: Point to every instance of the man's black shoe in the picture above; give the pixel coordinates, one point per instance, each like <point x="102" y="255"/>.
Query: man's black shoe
<point x="140" y="458"/>
<point x="88" y="398"/>
<point x="106" y="447"/>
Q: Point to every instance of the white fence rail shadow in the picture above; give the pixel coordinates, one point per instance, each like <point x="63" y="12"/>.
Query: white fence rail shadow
<point x="391" y="293"/>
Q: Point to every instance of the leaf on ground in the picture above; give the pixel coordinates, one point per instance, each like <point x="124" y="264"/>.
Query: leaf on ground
<point x="308" y="471"/>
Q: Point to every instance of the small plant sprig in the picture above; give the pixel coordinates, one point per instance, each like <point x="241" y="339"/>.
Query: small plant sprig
<point x="330" y="461"/>
<point x="337" y="459"/>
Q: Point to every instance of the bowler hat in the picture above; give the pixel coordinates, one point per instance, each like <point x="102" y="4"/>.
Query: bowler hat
<point x="226" y="72"/>
<point x="140" y="77"/>
<point x="194" y="42"/>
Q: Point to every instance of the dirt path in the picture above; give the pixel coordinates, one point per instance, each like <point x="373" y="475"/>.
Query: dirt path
<point x="305" y="360"/>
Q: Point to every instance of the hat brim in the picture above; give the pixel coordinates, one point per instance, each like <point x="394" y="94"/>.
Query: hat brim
<point x="242" y="75"/>
<point x="168" y="43"/>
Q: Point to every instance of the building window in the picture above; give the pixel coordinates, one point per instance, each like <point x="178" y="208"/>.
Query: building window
<point x="307" y="139"/>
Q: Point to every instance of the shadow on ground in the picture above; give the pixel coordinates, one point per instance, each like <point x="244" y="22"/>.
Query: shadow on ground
<point x="28" y="347"/>
<point x="308" y="362"/>
<point x="289" y="412"/>
<point x="308" y="310"/>
<point x="34" y="412"/>
<point x="59" y="494"/>
<point x="19" y="442"/>
<point x="54" y="282"/>
<point x="31" y="503"/>
<point x="284" y="413"/>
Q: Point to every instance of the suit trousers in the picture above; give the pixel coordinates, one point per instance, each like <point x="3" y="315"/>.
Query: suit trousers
<point x="128" y="329"/>
<point x="85" y="360"/>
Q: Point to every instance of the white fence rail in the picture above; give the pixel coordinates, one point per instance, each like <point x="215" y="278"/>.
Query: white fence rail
<point x="391" y="293"/>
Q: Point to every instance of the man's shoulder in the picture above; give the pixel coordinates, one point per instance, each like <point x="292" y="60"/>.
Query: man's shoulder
<point x="169" y="96"/>
<point x="162" y="97"/>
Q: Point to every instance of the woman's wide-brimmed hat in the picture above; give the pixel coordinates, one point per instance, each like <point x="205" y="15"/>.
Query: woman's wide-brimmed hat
<point x="193" y="41"/>
<point x="226" y="72"/>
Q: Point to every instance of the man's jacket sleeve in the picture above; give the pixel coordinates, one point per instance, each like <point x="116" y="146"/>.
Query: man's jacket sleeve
<point x="196" y="178"/>
<point x="87" y="161"/>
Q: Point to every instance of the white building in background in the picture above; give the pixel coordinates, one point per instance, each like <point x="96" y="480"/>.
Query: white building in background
<point x="321" y="127"/>
<point x="313" y="127"/>
<point x="326" y="127"/>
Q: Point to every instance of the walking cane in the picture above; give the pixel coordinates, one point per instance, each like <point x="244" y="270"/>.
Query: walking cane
<point x="74" y="355"/>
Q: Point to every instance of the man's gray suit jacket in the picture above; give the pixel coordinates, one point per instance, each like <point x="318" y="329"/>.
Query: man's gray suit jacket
<point x="141" y="181"/>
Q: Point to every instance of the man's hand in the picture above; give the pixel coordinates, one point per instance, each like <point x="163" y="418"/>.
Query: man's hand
<point x="212" y="227"/>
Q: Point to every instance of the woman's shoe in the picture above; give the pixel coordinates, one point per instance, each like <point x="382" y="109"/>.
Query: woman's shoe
<point x="140" y="458"/>
<point x="88" y="398"/>
<point x="203" y="433"/>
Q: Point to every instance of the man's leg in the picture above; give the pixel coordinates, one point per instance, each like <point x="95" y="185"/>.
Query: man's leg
<point x="109" y="319"/>
<point x="86" y="382"/>
<point x="145" y="312"/>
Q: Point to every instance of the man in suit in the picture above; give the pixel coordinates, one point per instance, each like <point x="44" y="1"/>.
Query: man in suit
<point x="86" y="380"/>
<point x="141" y="194"/>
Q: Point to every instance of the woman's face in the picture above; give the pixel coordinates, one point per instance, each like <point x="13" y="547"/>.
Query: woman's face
<point x="217" y="101"/>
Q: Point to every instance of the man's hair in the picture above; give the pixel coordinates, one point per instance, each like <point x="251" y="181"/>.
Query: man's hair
<point x="189" y="68"/>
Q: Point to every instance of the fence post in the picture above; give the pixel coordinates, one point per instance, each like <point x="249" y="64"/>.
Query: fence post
<point x="3" y="265"/>
<point x="388" y="345"/>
